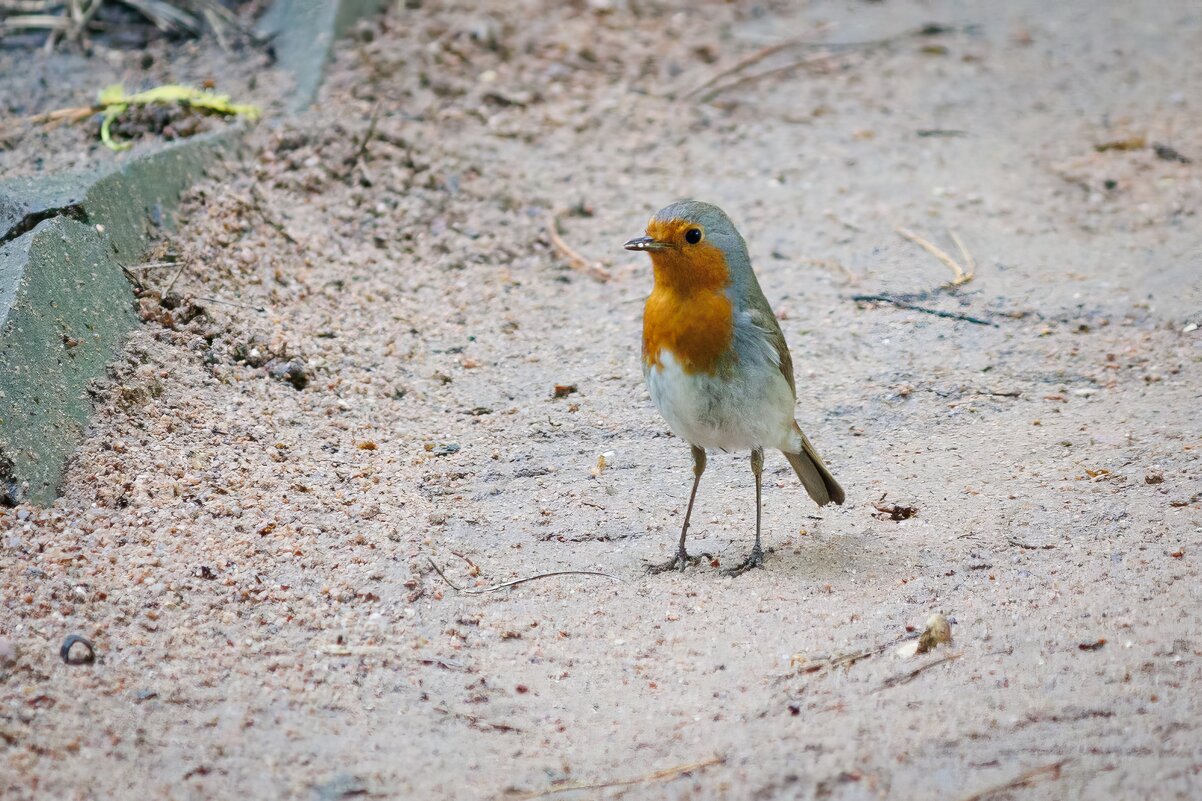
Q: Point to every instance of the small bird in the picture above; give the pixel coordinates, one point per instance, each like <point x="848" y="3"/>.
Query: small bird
<point x="715" y="358"/>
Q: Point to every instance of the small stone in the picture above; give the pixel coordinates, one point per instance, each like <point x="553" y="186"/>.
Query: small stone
<point x="8" y="652"/>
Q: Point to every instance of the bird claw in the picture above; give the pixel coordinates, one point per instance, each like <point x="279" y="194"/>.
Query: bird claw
<point x="678" y="562"/>
<point x="754" y="559"/>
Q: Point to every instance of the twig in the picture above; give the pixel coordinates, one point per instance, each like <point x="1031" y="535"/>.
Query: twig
<point x="83" y="19"/>
<point x="848" y="659"/>
<point x="775" y="72"/>
<point x="901" y="304"/>
<point x="710" y="83"/>
<point x="1029" y="546"/>
<point x="928" y="132"/>
<point x="258" y="309"/>
<point x="361" y="150"/>
<point x="970" y="266"/>
<point x="960" y="275"/>
<point x="475" y="567"/>
<point x="35" y="21"/>
<point x="506" y="585"/>
<point x="163" y="292"/>
<point x="574" y="259"/>
<point x="165" y="16"/>
<point x="74" y="114"/>
<point x="261" y="207"/>
<point x="905" y="678"/>
<point x="754" y="58"/>
<point x="215" y="24"/>
<point x="1024" y="779"/>
<point x="667" y="774"/>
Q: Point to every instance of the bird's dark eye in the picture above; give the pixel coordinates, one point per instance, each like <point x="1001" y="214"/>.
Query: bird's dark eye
<point x="692" y="236"/>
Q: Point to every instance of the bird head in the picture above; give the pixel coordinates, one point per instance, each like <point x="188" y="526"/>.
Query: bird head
<point x="694" y="246"/>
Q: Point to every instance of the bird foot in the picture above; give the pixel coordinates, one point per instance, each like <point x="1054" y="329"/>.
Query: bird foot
<point x="678" y="562"/>
<point x="754" y="559"/>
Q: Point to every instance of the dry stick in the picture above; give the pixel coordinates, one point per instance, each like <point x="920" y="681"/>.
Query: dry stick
<point x="850" y="658"/>
<point x="1029" y="546"/>
<point x="163" y="292"/>
<point x="361" y="151"/>
<point x="905" y="678"/>
<point x="59" y="115"/>
<point x="259" y="309"/>
<point x="80" y="17"/>
<point x="261" y="207"/>
<point x="776" y="72"/>
<point x="215" y="26"/>
<point x="574" y="259"/>
<point x="34" y="21"/>
<point x="960" y="276"/>
<point x="754" y="58"/>
<point x="970" y="266"/>
<point x="506" y="585"/>
<point x="771" y="50"/>
<point x="902" y="304"/>
<point x="1025" y="779"/>
<point x="667" y="774"/>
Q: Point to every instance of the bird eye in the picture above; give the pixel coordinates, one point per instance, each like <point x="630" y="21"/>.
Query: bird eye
<point x="692" y="236"/>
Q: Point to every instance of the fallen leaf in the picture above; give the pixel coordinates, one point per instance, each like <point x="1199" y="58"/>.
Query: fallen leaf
<point x="937" y="632"/>
<point x="1123" y="145"/>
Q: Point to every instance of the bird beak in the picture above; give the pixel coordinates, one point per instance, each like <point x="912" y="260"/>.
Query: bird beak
<point x="645" y="243"/>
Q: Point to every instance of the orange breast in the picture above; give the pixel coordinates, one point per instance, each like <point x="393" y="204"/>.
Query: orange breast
<point x="688" y="312"/>
<point x="696" y="329"/>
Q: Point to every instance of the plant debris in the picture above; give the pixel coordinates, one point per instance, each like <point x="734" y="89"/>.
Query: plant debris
<point x="508" y="584"/>
<point x="1024" y="779"/>
<point x="961" y="274"/>
<point x="906" y="678"/>
<point x="1123" y="145"/>
<point x="667" y="774"/>
<point x="937" y="632"/>
<point x="893" y="511"/>
<point x="1166" y="153"/>
<point x="113" y="102"/>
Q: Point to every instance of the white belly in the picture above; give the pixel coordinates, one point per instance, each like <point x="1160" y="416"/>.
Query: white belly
<point x="754" y="410"/>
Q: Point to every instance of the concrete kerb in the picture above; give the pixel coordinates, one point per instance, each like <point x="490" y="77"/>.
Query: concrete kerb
<point x="65" y="305"/>
<point x="303" y="34"/>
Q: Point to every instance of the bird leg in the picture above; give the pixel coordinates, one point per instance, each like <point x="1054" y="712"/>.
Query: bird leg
<point x="682" y="558"/>
<point x="756" y="557"/>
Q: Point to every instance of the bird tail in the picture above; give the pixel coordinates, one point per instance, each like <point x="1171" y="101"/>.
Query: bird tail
<point x="814" y="476"/>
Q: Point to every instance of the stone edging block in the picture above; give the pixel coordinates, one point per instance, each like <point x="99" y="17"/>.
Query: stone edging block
<point x="65" y="305"/>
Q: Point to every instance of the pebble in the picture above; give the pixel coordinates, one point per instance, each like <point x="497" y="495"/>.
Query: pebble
<point x="8" y="652"/>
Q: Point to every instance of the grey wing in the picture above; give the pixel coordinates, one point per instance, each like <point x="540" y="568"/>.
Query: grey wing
<point x="772" y="334"/>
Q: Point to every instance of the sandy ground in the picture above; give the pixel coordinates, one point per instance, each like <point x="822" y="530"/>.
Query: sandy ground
<point x="251" y="559"/>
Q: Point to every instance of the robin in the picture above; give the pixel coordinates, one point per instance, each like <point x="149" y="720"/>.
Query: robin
<point x="715" y="359"/>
